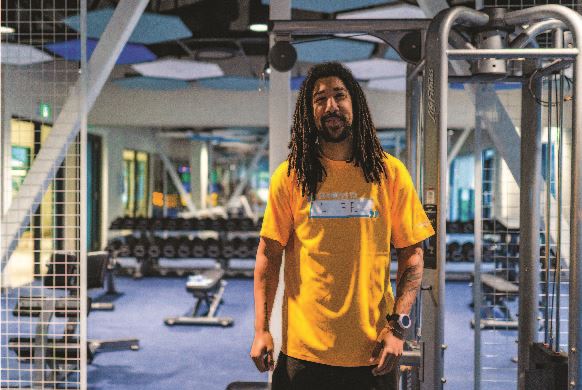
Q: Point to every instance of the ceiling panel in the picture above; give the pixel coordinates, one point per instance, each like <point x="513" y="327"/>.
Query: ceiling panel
<point x="151" y="28"/>
<point x="333" y="50"/>
<point x="179" y="69"/>
<point x="17" y="54"/>
<point x="132" y="53"/>
<point x="151" y="83"/>
<point x="333" y="6"/>
<point x="376" y="68"/>
<point x="233" y="83"/>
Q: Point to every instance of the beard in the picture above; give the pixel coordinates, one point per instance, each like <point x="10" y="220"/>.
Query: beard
<point x="336" y="132"/>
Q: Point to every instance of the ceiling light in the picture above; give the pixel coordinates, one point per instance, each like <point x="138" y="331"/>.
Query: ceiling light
<point x="6" y="30"/>
<point x="259" y="27"/>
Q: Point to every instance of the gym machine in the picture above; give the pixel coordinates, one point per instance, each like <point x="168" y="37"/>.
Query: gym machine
<point x="487" y="40"/>
<point x="54" y="359"/>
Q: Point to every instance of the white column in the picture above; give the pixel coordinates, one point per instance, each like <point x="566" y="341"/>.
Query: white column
<point x="199" y="162"/>
<point x="6" y="144"/>
<point x="279" y="125"/>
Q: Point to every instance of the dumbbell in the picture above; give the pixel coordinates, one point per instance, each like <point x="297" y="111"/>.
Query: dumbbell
<point x="114" y="245"/>
<point x="187" y="224"/>
<point x="204" y="224"/>
<point x="468" y="251"/>
<point x="228" y="249"/>
<point x="218" y="224"/>
<point x="157" y="223"/>
<point x="126" y="247"/>
<point x="241" y="248"/>
<point x="198" y="248"/>
<point x="169" y="248"/>
<point x="212" y="248"/>
<point x="142" y="223"/>
<point x="140" y="248"/>
<point x="116" y="224"/>
<point x="231" y="224"/>
<point x="454" y="227"/>
<point x="127" y="223"/>
<point x="246" y="224"/>
<point x="253" y="243"/>
<point x="454" y="251"/>
<point x="488" y="226"/>
<point x="171" y="224"/>
<point x="468" y="227"/>
<point x="184" y="250"/>
<point x="155" y="248"/>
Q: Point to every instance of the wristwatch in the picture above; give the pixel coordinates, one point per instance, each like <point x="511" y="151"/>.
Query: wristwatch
<point x="401" y="320"/>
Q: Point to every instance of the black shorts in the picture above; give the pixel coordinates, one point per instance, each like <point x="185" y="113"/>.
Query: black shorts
<point x="297" y="374"/>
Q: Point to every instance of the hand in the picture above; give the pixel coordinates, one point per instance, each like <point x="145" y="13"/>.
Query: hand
<point x="262" y="351"/>
<point x="388" y="350"/>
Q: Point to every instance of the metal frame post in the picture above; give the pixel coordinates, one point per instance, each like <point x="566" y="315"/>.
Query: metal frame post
<point x="83" y="112"/>
<point x="413" y="96"/>
<point x="435" y="183"/>
<point x="478" y="244"/>
<point x="529" y="238"/>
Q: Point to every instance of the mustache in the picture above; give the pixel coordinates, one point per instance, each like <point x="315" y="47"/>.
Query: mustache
<point x="333" y="115"/>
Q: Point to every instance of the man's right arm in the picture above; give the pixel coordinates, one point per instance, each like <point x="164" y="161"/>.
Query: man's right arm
<point x="267" y="268"/>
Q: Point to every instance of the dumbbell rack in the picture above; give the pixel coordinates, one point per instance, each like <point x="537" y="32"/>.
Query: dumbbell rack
<point x="142" y="265"/>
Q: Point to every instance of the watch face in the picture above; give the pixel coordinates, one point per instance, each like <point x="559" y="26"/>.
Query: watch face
<point x="405" y="321"/>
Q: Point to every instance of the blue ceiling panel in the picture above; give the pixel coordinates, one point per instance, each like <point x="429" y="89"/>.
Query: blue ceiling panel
<point x="151" y="28"/>
<point x="153" y="83"/>
<point x="71" y="50"/>
<point x="333" y="50"/>
<point x="296" y="82"/>
<point x="332" y="6"/>
<point x="233" y="83"/>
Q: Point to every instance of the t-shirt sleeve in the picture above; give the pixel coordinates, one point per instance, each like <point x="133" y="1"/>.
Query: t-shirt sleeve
<point x="410" y="224"/>
<point x="278" y="218"/>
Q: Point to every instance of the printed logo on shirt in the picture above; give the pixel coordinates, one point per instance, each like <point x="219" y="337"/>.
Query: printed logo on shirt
<point x="343" y="208"/>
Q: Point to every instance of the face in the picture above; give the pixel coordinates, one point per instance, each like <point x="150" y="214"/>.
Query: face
<point x="332" y="109"/>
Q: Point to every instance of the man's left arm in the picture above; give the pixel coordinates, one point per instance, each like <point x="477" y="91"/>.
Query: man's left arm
<point x="408" y="277"/>
<point x="408" y="281"/>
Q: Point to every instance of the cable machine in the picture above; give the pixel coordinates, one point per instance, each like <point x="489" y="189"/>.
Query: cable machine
<point x="491" y="40"/>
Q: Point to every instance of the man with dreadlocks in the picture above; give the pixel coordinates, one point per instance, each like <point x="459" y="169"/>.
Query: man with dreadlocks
<point x="334" y="207"/>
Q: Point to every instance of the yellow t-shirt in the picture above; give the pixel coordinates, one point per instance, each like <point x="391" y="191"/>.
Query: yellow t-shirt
<point x="337" y="257"/>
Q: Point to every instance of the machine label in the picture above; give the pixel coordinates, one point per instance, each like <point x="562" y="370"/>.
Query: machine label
<point x="430" y="246"/>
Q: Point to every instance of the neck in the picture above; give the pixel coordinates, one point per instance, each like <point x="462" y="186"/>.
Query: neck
<point x="337" y="151"/>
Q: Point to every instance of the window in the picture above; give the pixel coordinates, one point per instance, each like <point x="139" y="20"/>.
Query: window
<point x="135" y="195"/>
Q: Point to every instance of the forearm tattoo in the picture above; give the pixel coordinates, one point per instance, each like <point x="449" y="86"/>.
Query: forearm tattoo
<point x="409" y="281"/>
<point x="266" y="323"/>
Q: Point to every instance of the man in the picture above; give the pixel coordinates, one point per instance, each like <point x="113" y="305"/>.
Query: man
<point x="334" y="207"/>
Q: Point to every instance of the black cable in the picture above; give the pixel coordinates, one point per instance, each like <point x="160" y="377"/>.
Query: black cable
<point x="538" y="99"/>
<point x="328" y="38"/>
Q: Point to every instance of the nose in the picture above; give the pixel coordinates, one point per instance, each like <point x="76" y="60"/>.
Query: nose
<point x="331" y="105"/>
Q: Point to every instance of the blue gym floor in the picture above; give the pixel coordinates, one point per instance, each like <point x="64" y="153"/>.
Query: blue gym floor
<point x="209" y="358"/>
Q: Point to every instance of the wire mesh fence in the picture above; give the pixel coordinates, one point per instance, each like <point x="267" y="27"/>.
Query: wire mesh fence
<point x="41" y="285"/>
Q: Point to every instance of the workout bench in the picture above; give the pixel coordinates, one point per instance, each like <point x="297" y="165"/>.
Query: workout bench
<point x="208" y="288"/>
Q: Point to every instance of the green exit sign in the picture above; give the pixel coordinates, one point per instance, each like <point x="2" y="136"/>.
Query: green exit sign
<point x="45" y="111"/>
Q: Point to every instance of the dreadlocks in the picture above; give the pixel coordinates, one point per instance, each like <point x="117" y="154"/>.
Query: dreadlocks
<point x="305" y="151"/>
